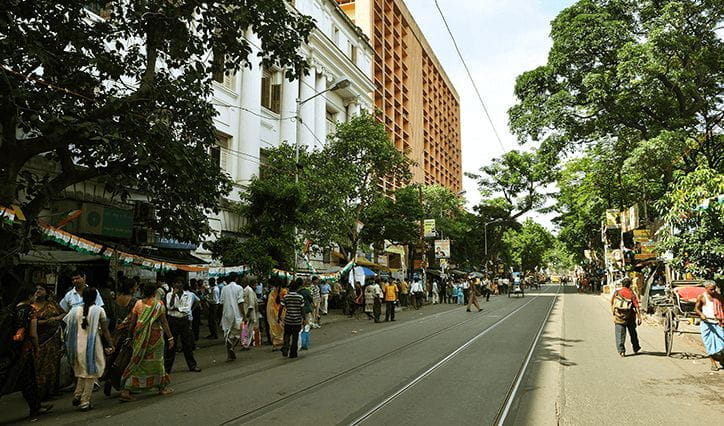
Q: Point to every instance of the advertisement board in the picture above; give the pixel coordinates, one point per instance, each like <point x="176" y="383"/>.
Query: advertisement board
<point x="429" y="226"/>
<point x="442" y="249"/>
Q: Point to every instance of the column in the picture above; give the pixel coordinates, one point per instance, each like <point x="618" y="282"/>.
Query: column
<point x="288" y="125"/>
<point x="320" y="112"/>
<point x="306" y="91"/>
<point x="248" y="135"/>
<point x="354" y="109"/>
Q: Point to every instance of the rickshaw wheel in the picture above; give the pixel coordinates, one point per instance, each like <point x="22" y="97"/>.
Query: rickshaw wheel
<point x="669" y="328"/>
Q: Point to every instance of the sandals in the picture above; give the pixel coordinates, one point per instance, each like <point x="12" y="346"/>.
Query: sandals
<point x="165" y="391"/>
<point x="126" y="397"/>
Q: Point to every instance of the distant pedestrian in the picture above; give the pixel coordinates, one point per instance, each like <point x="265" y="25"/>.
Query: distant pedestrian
<point x="377" y="300"/>
<point x="251" y="311"/>
<point x="390" y="291"/>
<point x="213" y="299"/>
<point x="709" y="307"/>
<point x="84" y="346"/>
<point x="435" y="293"/>
<point x="418" y="293"/>
<point x="316" y="301"/>
<point x="626" y="316"/>
<point x="473" y="297"/>
<point x="293" y="312"/>
<point x="404" y="293"/>
<point x="274" y="311"/>
<point x="325" y="289"/>
<point x="232" y="300"/>
<point x="179" y="305"/>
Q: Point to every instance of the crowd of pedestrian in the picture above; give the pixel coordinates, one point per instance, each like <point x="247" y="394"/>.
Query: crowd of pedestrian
<point x="125" y="336"/>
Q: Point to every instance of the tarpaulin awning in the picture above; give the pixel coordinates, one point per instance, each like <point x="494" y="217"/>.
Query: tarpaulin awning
<point x="49" y="257"/>
<point x="361" y="261"/>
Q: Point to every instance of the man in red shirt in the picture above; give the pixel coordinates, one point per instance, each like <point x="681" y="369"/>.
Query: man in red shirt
<point x="626" y="316"/>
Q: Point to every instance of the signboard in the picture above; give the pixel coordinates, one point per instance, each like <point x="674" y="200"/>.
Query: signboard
<point x="633" y="217"/>
<point x="443" y="264"/>
<point x="107" y="221"/>
<point x="383" y="260"/>
<point x="645" y="250"/>
<point x="429" y="226"/>
<point x="612" y="218"/>
<point x="442" y="249"/>
<point x="641" y="235"/>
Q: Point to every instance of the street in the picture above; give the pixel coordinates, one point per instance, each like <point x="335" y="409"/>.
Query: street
<point x="438" y="364"/>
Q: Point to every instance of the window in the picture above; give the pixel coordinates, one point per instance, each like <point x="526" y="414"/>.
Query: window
<point x="271" y="90"/>
<point x="228" y="78"/>
<point x="353" y="52"/>
<point x="335" y="35"/>
<point x="220" y="152"/>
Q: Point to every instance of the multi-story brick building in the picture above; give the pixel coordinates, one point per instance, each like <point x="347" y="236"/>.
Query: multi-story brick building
<point x="420" y="106"/>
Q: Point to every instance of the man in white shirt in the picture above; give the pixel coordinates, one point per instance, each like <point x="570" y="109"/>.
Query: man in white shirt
<point x="178" y="311"/>
<point x="232" y="300"/>
<point x="74" y="296"/>
<point x="251" y="311"/>
<point x="417" y="293"/>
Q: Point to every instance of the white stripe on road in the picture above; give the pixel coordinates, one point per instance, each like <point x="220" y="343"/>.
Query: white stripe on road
<point x="521" y="373"/>
<point x="435" y="367"/>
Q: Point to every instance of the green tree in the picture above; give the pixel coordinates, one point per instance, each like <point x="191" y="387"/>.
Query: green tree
<point x="528" y="245"/>
<point x="272" y="211"/>
<point x="361" y="156"/>
<point x="694" y="233"/>
<point x="629" y="69"/>
<point x="520" y="178"/>
<point x="125" y="100"/>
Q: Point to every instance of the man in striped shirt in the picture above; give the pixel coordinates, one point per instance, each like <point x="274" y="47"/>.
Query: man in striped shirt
<point x="293" y="305"/>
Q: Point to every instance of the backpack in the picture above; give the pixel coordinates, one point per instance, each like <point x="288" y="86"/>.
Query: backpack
<point x="622" y="308"/>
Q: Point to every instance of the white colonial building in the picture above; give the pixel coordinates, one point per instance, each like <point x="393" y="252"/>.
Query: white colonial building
<point x="257" y="106"/>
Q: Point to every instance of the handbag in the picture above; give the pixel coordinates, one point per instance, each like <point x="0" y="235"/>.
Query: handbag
<point x="304" y="338"/>
<point x="257" y="337"/>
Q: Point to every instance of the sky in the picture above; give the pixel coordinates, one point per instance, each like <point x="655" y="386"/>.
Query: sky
<point x="499" y="40"/>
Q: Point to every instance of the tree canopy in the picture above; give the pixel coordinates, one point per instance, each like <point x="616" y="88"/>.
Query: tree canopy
<point x="124" y="99"/>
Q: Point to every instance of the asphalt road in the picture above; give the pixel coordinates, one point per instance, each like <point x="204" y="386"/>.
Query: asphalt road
<point x="443" y="366"/>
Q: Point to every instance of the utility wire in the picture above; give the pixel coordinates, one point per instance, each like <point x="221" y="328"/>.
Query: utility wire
<point x="457" y="49"/>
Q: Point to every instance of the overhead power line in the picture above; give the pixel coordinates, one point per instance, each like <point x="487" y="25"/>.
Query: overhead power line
<point x="475" y="86"/>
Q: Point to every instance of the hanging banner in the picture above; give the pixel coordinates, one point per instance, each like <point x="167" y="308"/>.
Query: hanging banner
<point x="442" y="249"/>
<point x="429" y="226"/>
<point x="633" y="217"/>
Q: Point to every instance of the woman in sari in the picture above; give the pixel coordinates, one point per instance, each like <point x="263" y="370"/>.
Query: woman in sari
<point x="117" y="362"/>
<point x="146" y="367"/>
<point x="47" y="360"/>
<point x="17" y="366"/>
<point x="84" y="345"/>
<point x="273" y="305"/>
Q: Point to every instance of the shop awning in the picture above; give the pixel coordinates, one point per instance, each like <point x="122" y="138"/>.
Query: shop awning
<point x="48" y="257"/>
<point x="361" y="261"/>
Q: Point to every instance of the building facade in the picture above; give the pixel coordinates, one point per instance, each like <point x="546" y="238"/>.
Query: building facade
<point x="257" y="106"/>
<point x="420" y="106"/>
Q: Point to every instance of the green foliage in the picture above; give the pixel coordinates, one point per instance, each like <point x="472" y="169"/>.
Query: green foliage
<point x="125" y="100"/>
<point x="693" y="235"/>
<point x="272" y="210"/>
<point x="559" y="258"/>
<point x="519" y="177"/>
<point x="528" y="246"/>
<point x="629" y="69"/>
<point x="396" y="219"/>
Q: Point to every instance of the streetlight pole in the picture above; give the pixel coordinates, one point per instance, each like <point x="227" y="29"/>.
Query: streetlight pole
<point x="341" y="84"/>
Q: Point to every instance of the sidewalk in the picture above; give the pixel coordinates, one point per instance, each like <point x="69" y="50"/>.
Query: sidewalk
<point x="577" y="377"/>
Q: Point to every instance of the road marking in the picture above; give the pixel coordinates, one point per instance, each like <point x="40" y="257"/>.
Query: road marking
<point x="521" y="372"/>
<point x="437" y="365"/>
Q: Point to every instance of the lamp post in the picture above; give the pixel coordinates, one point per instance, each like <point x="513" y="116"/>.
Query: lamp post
<point x="341" y="84"/>
<point x="485" y="233"/>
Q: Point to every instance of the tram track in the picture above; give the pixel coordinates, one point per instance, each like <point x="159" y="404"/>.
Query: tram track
<point x="260" y="410"/>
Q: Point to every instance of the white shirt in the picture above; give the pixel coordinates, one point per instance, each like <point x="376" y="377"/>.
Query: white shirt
<point x="416" y="287"/>
<point x="231" y="296"/>
<point x="72" y="298"/>
<point x="216" y="295"/>
<point x="434" y="287"/>
<point x="179" y="306"/>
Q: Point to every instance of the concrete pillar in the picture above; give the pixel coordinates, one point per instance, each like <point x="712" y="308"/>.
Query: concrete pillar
<point x="320" y="112"/>
<point x="306" y="91"/>
<point x="288" y="125"/>
<point x="249" y="124"/>
<point x="354" y="110"/>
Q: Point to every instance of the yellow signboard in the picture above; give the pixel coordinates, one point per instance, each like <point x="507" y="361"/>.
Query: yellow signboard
<point x="429" y="226"/>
